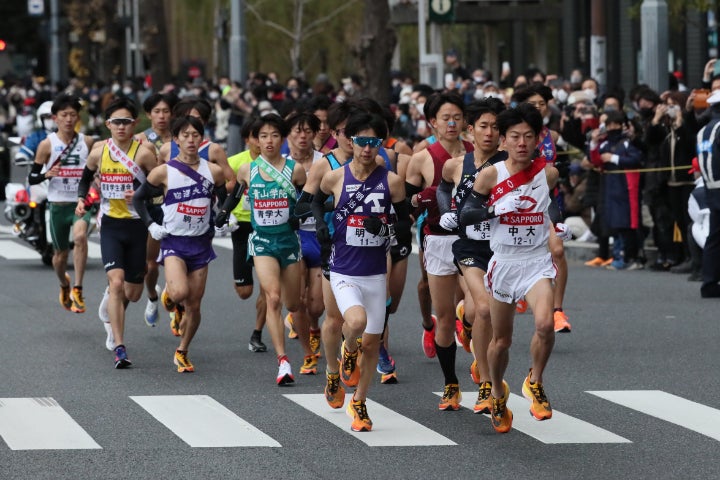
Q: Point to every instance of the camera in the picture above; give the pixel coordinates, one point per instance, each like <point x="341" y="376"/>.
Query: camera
<point x="672" y="111"/>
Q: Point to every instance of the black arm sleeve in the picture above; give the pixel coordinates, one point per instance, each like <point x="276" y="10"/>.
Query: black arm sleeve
<point x="145" y="192"/>
<point x="303" y="207"/>
<point x="221" y="193"/>
<point x="35" y="176"/>
<point x="411" y="190"/>
<point x="443" y="195"/>
<point x="85" y="182"/>
<point x="317" y="206"/>
<point x="554" y="211"/>
<point x="232" y="200"/>
<point x="475" y="210"/>
<point x="403" y="224"/>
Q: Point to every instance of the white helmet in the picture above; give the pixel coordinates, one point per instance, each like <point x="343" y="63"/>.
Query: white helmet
<point x="45" y="110"/>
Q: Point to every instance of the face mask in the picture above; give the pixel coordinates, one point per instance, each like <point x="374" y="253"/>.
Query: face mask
<point x="478" y="79"/>
<point x="115" y="88"/>
<point x="495" y="95"/>
<point x="609" y="108"/>
<point x="49" y="125"/>
<point x="420" y="107"/>
<point x="560" y="95"/>
<point x="575" y="79"/>
<point x="646" y="112"/>
<point x="127" y="91"/>
<point x="590" y="93"/>
<point x="213" y="95"/>
<point x="479" y="94"/>
<point x="546" y="120"/>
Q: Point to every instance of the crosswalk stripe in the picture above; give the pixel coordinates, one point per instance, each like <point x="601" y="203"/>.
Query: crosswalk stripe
<point x="390" y="429"/>
<point x="561" y="428"/>
<point x="15" y="251"/>
<point x="40" y="424"/>
<point x="671" y="408"/>
<point x="200" y="421"/>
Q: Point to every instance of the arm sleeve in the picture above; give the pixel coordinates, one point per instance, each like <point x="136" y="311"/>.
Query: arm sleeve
<point x="411" y="190"/>
<point x="303" y="207"/>
<point x="475" y="210"/>
<point x="85" y="182"/>
<point x="232" y="200"/>
<point x="403" y="224"/>
<point x="221" y="193"/>
<point x="444" y="196"/>
<point x="145" y="192"/>
<point x="317" y="207"/>
<point x="36" y="176"/>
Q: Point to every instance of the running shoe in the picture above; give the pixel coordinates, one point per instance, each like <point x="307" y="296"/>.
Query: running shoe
<point x="607" y="262"/>
<point x="501" y="416"/>
<point x="465" y="337"/>
<point x="561" y="322"/>
<point x="285" y="376"/>
<point x="334" y="392"/>
<point x="460" y="310"/>
<point x="539" y="406"/>
<point x="167" y="302"/>
<point x="483" y="404"/>
<point x="386" y="367"/>
<point x="428" y="339"/>
<point x="595" y="262"/>
<point x="256" y="344"/>
<point x="121" y="358"/>
<point x="521" y="306"/>
<point x="309" y="366"/>
<point x="151" y="309"/>
<point x="78" y="302"/>
<point x="183" y="362"/>
<point x="451" y="397"/>
<point x="358" y="412"/>
<point x="349" y="371"/>
<point x="289" y="324"/>
<point x="64" y="296"/>
<point x="176" y="319"/>
<point x="315" y="342"/>
<point x="475" y="372"/>
<point x="103" y="308"/>
<point x="110" y="339"/>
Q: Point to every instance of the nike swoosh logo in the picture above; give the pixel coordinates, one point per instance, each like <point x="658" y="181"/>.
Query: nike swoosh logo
<point x="536" y="186"/>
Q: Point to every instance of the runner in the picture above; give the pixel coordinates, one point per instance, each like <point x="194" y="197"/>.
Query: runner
<point x="123" y="165"/>
<point x="514" y="195"/>
<point x="61" y="158"/>
<point x="187" y="183"/>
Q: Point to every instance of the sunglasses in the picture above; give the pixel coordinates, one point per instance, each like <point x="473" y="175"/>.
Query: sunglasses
<point x="121" y="121"/>
<point x="362" y="142"/>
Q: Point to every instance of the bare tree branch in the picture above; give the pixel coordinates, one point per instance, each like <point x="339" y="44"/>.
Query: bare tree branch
<point x="274" y="25"/>
<point x="319" y="21"/>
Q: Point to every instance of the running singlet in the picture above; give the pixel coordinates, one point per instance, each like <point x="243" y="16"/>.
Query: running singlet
<point x="115" y="180"/>
<point x="546" y="146"/>
<point x="64" y="187"/>
<point x="479" y="231"/>
<point x="439" y="156"/>
<point x="355" y="251"/>
<point x="308" y="225"/>
<point x="242" y="210"/>
<point x="187" y="206"/>
<point x="526" y="231"/>
<point x="270" y="203"/>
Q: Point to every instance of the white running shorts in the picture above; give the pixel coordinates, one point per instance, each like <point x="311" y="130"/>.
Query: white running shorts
<point x="368" y="292"/>
<point x="509" y="280"/>
<point x="438" y="255"/>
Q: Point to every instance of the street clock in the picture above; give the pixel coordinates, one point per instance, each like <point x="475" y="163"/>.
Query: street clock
<point x="442" y="11"/>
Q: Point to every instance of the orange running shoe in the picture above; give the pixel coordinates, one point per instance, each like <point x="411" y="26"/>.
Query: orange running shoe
<point x="607" y="262"/>
<point x="183" y="362"/>
<point x="349" y="371"/>
<point x="334" y="392"/>
<point x="358" y="412"/>
<point x="539" y="406"/>
<point x="451" y="397"/>
<point x="521" y="306"/>
<point x="289" y="324"/>
<point x="561" y="322"/>
<point x="595" y="262"/>
<point x="501" y="416"/>
<point x="475" y="372"/>
<point x="428" y="339"/>
<point x="64" y="296"/>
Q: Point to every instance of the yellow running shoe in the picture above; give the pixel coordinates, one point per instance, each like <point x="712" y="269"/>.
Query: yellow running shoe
<point x="315" y="342"/>
<point x="358" y="412"/>
<point x="309" y="366"/>
<point x="64" y="296"/>
<point x="475" y="372"/>
<point x="289" y="324"/>
<point x="501" y="416"/>
<point x="334" y="392"/>
<point x="78" y="302"/>
<point x="484" y="400"/>
<point x="349" y="371"/>
<point x="539" y="406"/>
<point x="183" y="362"/>
<point x="451" y="397"/>
<point x="176" y="319"/>
<point x="166" y="301"/>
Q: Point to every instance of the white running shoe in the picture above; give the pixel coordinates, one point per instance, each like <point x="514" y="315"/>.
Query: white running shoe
<point x="110" y="340"/>
<point x="151" y="309"/>
<point x="103" y="308"/>
<point x="285" y="375"/>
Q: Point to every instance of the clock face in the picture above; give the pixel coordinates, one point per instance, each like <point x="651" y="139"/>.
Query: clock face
<point x="441" y="7"/>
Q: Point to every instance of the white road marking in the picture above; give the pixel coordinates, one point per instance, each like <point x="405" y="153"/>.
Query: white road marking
<point x="390" y="429"/>
<point x="561" y="428"/>
<point x="671" y="408"/>
<point x="40" y="424"/>
<point x="12" y="250"/>
<point x="200" y="421"/>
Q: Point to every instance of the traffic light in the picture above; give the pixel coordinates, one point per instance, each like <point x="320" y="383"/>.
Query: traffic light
<point x="3" y="45"/>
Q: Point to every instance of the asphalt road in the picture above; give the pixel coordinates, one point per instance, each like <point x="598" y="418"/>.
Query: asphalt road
<point x="644" y="343"/>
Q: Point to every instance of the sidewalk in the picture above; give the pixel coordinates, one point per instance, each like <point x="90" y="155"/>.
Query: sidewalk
<point x="584" y="251"/>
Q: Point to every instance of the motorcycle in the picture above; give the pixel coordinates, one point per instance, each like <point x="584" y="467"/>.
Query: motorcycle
<point x="26" y="207"/>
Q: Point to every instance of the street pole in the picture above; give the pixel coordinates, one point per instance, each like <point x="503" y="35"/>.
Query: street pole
<point x="54" y="42"/>
<point x="237" y="40"/>
<point x="598" y="42"/>
<point x="654" y="35"/>
<point x="139" y="68"/>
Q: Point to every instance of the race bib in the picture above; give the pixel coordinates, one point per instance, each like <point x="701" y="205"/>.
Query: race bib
<point x="271" y="211"/>
<point x="114" y="185"/>
<point x="521" y="229"/>
<point x="357" y="236"/>
<point x="68" y="180"/>
<point x="479" y="231"/>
